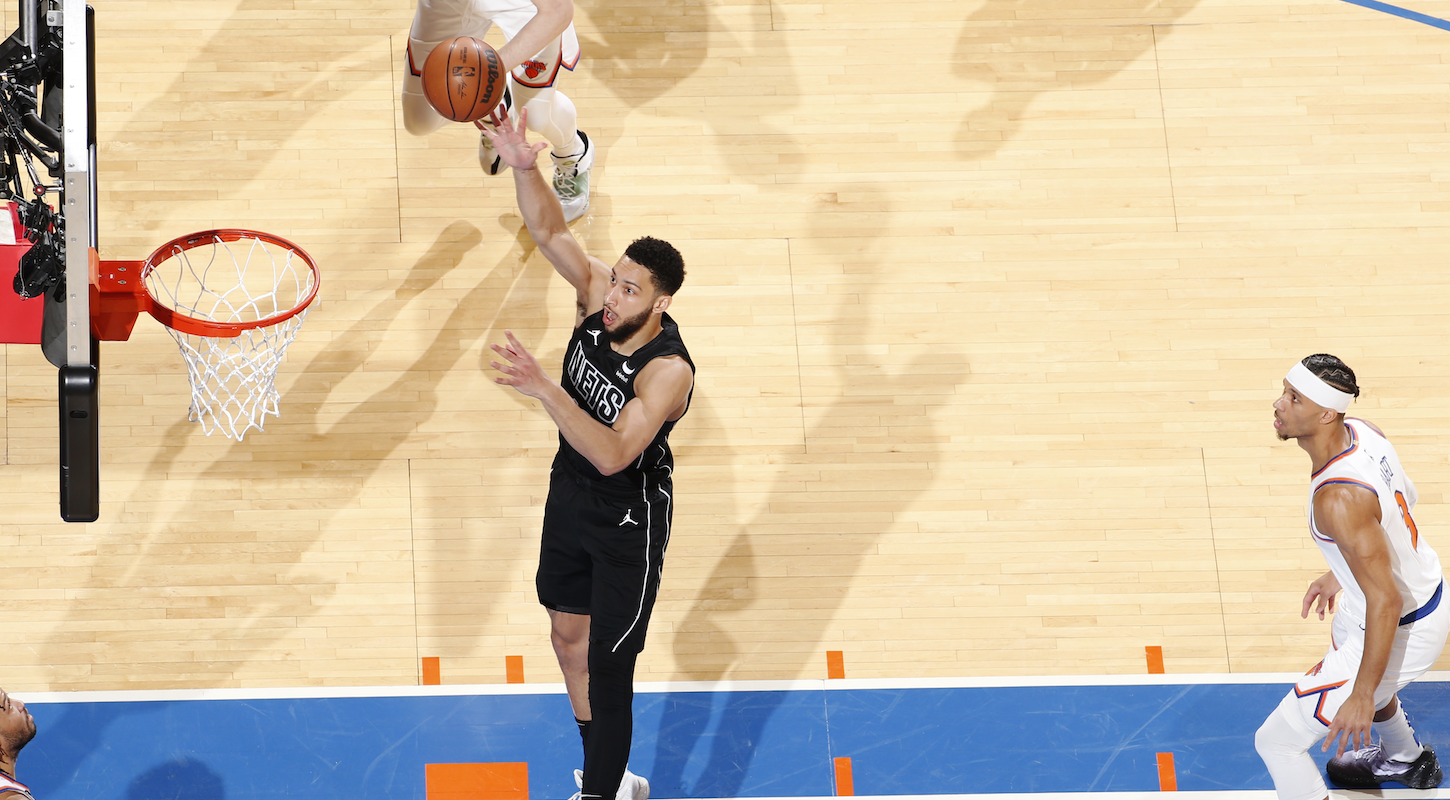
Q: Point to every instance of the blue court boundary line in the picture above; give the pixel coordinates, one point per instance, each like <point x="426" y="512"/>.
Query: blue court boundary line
<point x="1414" y="16"/>
<point x="1081" y="737"/>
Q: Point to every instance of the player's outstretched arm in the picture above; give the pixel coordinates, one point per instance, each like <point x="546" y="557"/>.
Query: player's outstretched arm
<point x="540" y="209"/>
<point x="661" y="389"/>
<point x="1349" y="514"/>
<point x="549" y="22"/>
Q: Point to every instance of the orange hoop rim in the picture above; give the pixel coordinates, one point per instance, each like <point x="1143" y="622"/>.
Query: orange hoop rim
<point x="176" y="320"/>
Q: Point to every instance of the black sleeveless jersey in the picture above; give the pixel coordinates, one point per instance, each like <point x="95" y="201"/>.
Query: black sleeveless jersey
<point x="601" y="381"/>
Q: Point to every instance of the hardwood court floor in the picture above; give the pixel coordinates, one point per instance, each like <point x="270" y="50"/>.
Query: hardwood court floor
<point x="989" y="301"/>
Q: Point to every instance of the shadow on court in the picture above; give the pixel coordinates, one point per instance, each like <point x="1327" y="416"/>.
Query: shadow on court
<point x="1025" y="49"/>
<point x="181" y="778"/>
<point x="769" y="602"/>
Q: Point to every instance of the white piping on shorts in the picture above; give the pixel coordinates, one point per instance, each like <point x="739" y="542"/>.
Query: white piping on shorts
<point x="644" y="588"/>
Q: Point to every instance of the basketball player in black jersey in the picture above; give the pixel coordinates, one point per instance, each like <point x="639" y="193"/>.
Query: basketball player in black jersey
<point x="627" y="380"/>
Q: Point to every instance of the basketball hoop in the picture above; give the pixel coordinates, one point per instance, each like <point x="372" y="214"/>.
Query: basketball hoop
<point x="232" y="299"/>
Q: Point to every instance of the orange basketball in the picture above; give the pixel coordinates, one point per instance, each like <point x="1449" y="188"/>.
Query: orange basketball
<point x="463" y="79"/>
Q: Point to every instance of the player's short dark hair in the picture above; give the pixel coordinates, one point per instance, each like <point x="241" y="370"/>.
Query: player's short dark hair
<point x="1332" y="371"/>
<point x="665" y="264"/>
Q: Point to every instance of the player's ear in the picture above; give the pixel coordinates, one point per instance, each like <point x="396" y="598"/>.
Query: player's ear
<point x="1329" y="417"/>
<point x="661" y="303"/>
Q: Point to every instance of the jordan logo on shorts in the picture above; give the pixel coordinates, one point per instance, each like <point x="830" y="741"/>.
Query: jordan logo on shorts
<point x="627" y="520"/>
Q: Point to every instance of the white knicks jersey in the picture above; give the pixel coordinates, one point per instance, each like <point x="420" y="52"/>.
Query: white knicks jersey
<point x="1371" y="462"/>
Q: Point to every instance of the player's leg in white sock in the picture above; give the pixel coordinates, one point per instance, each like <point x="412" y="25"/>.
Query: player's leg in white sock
<point x="1397" y="738"/>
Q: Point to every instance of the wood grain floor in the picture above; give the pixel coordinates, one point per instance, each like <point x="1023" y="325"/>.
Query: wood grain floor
<point x="989" y="301"/>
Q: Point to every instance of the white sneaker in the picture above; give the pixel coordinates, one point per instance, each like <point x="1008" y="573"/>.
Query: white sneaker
<point x="631" y="786"/>
<point x="571" y="182"/>
<point x="488" y="157"/>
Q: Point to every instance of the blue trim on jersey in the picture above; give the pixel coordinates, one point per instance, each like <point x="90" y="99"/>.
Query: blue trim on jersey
<point x="1427" y="609"/>
<point x="1351" y="482"/>
<point x="1353" y="445"/>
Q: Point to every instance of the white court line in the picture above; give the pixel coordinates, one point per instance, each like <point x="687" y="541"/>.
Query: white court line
<point x="1267" y="794"/>
<point x="662" y="687"/>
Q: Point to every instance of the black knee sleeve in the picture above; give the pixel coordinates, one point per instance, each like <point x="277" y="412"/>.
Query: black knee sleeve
<point x="611" y="703"/>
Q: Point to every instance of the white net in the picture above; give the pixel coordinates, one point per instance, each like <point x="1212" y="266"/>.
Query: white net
<point x="250" y="279"/>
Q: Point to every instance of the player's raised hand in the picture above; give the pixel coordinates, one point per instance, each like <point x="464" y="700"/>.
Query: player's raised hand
<point x="509" y="140"/>
<point x="522" y="370"/>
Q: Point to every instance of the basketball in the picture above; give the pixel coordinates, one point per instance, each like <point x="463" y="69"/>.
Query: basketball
<point x="463" y="79"/>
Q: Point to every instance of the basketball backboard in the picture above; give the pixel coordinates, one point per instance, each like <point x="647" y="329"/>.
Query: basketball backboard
<point x="47" y="75"/>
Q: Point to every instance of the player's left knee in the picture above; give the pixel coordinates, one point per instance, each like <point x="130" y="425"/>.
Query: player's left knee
<point x="611" y="678"/>
<point x="1278" y="740"/>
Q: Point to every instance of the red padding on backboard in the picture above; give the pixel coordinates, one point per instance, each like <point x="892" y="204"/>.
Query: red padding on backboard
<point x="19" y="319"/>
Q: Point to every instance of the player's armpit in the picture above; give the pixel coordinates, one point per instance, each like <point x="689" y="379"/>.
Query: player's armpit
<point x="590" y="297"/>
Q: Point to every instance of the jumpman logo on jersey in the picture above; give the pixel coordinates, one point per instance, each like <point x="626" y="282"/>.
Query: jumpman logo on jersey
<point x="595" y="334"/>
<point x="627" y="520"/>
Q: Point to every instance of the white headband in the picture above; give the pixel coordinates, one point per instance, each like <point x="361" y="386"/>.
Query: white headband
<point x="1314" y="388"/>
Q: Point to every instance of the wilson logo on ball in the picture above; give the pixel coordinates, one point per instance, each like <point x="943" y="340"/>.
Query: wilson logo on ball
<point x="463" y="79"/>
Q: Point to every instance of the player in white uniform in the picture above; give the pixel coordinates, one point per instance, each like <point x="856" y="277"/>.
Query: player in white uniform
<point x="17" y="728"/>
<point x="1390" y="622"/>
<point x="541" y="43"/>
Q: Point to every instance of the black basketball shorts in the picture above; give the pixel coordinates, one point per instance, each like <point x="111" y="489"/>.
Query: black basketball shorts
<point x="602" y="553"/>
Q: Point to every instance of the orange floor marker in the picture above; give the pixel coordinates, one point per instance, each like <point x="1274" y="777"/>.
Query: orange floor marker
<point x="500" y="781"/>
<point x="431" y="674"/>
<point x="1155" y="660"/>
<point x="845" y="784"/>
<point x="513" y="669"/>
<point x="835" y="664"/>
<point x="1167" y="776"/>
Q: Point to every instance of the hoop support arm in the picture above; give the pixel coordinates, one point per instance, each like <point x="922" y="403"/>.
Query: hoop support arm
<point x="118" y="296"/>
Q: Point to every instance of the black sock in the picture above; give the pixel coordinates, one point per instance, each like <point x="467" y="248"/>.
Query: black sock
<point x="583" y="730"/>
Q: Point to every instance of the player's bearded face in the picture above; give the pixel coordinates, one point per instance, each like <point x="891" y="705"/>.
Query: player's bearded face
<point x="626" y="327"/>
